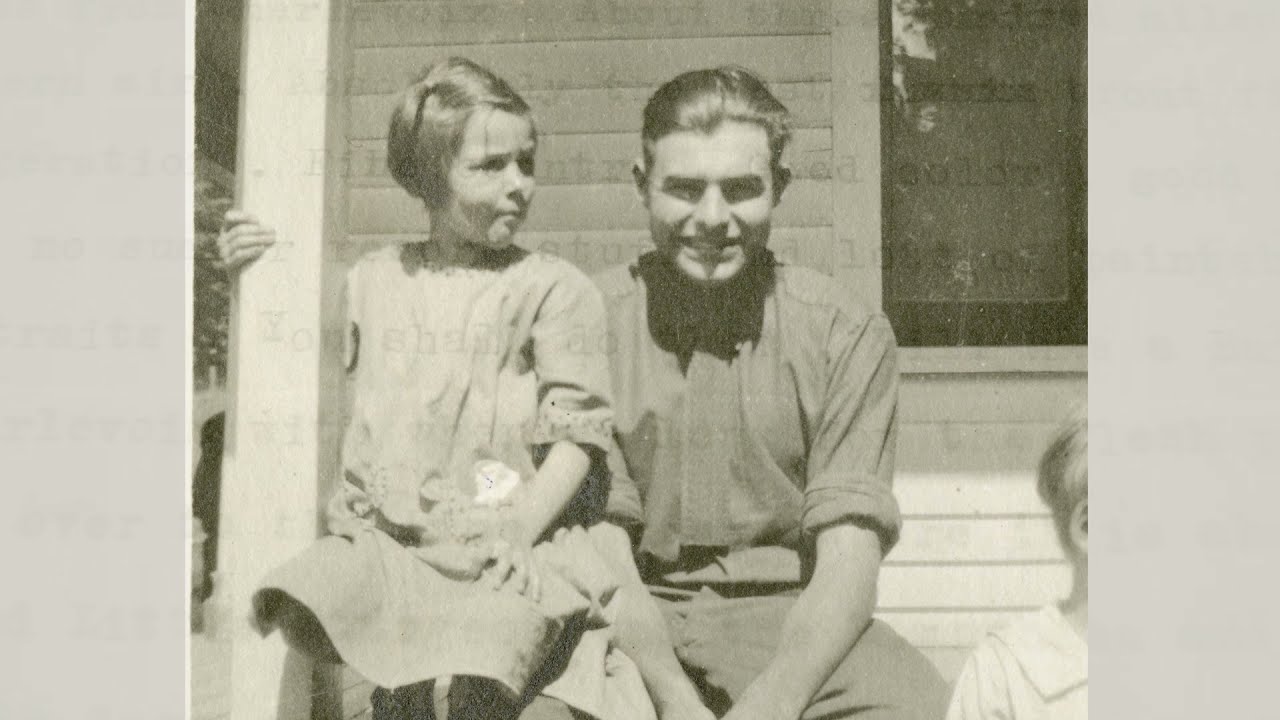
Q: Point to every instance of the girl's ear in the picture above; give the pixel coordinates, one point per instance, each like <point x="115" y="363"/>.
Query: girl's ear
<point x="1079" y="528"/>
<point x="781" y="179"/>
<point x="641" y="179"/>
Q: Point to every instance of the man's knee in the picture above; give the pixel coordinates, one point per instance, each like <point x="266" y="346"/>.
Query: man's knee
<point x="883" y="678"/>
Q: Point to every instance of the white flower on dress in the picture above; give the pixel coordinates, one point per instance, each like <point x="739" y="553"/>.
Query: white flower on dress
<point x="494" y="482"/>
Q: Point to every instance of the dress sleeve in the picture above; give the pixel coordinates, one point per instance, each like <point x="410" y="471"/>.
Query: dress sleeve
<point x="572" y="367"/>
<point x="850" y="470"/>
<point x="981" y="691"/>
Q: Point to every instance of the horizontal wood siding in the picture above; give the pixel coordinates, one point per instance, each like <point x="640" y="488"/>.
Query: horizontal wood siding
<point x="391" y="24"/>
<point x="390" y="210"/>
<point x="587" y="110"/>
<point x="605" y="158"/>
<point x="587" y="70"/>
<point x="978" y="547"/>
<point x="642" y="63"/>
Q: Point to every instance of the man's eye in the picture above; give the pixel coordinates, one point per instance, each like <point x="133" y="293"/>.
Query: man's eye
<point x="687" y="191"/>
<point x="742" y="189"/>
<point x="493" y="164"/>
<point x="525" y="162"/>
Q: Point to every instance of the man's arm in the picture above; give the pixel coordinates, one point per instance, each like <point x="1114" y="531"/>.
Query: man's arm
<point x="821" y="628"/>
<point x="850" y="512"/>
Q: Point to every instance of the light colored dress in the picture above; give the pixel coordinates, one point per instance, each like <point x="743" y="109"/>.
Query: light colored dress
<point x="1037" y="668"/>
<point x="455" y="369"/>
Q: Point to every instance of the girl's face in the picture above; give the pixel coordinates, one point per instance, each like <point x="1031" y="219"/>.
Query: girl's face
<point x="491" y="179"/>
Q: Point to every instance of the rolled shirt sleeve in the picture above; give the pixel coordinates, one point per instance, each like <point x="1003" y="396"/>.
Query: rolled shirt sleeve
<point x="850" y="469"/>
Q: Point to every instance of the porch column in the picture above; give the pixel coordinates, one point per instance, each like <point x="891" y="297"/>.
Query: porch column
<point x="274" y="467"/>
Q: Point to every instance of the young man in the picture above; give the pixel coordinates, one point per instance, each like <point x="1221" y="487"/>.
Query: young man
<point x="756" y="416"/>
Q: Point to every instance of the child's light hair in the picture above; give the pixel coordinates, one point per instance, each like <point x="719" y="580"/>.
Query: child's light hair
<point x="429" y="120"/>
<point x="1063" y="477"/>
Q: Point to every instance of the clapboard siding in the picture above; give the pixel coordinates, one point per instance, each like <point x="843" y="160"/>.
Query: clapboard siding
<point x="969" y="587"/>
<point x="951" y="540"/>
<point x="601" y="63"/>
<point x="590" y="158"/>
<point x="391" y="24"/>
<point x="586" y="110"/>
<point x="971" y="447"/>
<point x="1016" y="398"/>
<point x="595" y="250"/>
<point x="931" y="495"/>
<point x="390" y="210"/>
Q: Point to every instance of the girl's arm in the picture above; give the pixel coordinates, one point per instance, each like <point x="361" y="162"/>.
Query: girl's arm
<point x="537" y="503"/>
<point x="642" y="634"/>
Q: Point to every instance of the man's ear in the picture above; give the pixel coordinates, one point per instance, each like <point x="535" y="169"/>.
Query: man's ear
<point x="641" y="179"/>
<point x="1078" y="528"/>
<point x="781" y="179"/>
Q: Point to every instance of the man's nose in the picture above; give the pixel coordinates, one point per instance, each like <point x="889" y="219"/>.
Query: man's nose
<point x="711" y="211"/>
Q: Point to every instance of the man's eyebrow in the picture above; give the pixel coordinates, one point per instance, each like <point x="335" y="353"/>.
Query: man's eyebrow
<point x="749" y="178"/>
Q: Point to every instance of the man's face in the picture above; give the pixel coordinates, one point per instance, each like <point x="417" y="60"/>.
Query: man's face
<point x="710" y="198"/>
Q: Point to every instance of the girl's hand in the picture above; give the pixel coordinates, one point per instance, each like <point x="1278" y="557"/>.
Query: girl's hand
<point x="511" y="568"/>
<point x="242" y="240"/>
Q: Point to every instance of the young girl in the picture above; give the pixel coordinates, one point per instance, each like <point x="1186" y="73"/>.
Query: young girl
<point x="475" y="449"/>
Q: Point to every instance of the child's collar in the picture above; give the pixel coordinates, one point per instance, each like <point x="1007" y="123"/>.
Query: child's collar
<point x="1053" y="656"/>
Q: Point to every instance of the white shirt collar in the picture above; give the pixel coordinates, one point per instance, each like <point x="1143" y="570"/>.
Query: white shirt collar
<point x="1053" y="656"/>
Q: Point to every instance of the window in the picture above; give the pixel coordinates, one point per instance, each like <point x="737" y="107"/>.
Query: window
<point x="984" y="170"/>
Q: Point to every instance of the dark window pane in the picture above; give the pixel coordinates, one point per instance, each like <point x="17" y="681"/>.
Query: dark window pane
<point x="984" y="172"/>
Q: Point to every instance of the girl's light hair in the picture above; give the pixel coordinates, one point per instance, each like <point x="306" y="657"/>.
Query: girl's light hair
<point x="1063" y="477"/>
<point x="702" y="99"/>
<point x="429" y="120"/>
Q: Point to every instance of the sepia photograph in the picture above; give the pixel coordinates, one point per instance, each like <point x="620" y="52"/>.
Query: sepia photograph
<point x="639" y="360"/>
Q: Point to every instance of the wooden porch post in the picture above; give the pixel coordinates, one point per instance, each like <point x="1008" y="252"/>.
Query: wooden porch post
<point x="273" y="472"/>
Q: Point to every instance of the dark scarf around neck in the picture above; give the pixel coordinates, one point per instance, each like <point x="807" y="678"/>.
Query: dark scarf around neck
<point x="685" y="316"/>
